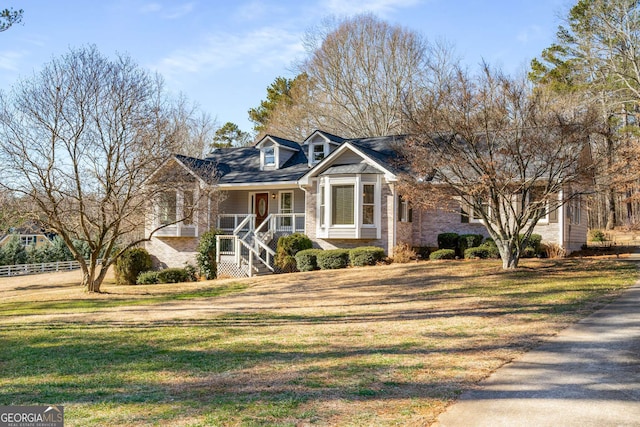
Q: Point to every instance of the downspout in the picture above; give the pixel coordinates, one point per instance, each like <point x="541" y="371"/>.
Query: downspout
<point x="561" y="220"/>
<point x="394" y="240"/>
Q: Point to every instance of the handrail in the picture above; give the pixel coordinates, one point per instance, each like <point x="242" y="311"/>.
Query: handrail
<point x="257" y="254"/>
<point x="240" y="226"/>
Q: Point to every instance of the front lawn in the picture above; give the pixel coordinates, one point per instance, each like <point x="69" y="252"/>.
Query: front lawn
<point x="391" y="345"/>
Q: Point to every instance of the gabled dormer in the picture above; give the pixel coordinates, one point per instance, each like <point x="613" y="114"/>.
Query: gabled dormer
<point x="274" y="152"/>
<point x="319" y="145"/>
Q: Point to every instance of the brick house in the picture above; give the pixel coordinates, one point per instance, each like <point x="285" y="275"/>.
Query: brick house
<point x="342" y="193"/>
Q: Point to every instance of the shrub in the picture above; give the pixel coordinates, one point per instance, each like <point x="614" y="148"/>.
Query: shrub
<point x="422" y="252"/>
<point x="533" y="241"/>
<point x="148" y="278"/>
<point x="528" y="252"/>
<point x="307" y="260"/>
<point x="173" y="275"/>
<point x="288" y="247"/>
<point x="206" y="256"/>
<point x="403" y="253"/>
<point x="442" y="254"/>
<point x="333" y="259"/>
<point x="554" y="250"/>
<point x="365" y="255"/>
<point x="448" y="241"/>
<point x="130" y="264"/>
<point x="481" y="252"/>
<point x="596" y="235"/>
<point x="466" y="241"/>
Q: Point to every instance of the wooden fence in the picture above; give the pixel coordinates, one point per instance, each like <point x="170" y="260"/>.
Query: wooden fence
<point x="25" y="269"/>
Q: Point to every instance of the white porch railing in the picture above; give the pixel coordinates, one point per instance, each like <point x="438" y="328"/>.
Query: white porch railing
<point x="229" y="222"/>
<point x="242" y="252"/>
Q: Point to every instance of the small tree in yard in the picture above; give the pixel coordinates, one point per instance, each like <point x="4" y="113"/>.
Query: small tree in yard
<point x="504" y="151"/>
<point x="206" y="255"/>
<point x="77" y="141"/>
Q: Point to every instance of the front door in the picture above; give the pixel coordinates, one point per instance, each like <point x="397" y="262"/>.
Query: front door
<point x="261" y="208"/>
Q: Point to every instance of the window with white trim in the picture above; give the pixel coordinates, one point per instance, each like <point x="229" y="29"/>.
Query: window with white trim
<point x="405" y="211"/>
<point x="317" y="152"/>
<point x="167" y="207"/>
<point x="368" y="210"/>
<point x="342" y="205"/>
<point x="322" y="206"/>
<point x="187" y="207"/>
<point x="536" y="196"/>
<point x="269" y="156"/>
<point x="286" y="207"/>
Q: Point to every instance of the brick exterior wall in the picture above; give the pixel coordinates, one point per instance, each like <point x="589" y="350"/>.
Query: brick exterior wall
<point x="168" y="252"/>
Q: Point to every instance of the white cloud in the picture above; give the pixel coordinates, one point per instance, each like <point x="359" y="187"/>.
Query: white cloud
<point x="252" y="11"/>
<point x="174" y="12"/>
<point x="352" y="7"/>
<point x="10" y="60"/>
<point x="260" y="49"/>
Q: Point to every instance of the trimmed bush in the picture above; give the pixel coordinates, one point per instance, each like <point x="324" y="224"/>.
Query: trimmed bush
<point x="442" y="254"/>
<point x="365" y="255"/>
<point x="307" y="260"/>
<point x="422" y="252"/>
<point x="288" y="247"/>
<point x="173" y="275"/>
<point x="333" y="259"/>
<point x="466" y="241"/>
<point x="481" y="252"/>
<point x="148" y="278"/>
<point x="130" y="264"/>
<point x="533" y="241"/>
<point x="448" y="240"/>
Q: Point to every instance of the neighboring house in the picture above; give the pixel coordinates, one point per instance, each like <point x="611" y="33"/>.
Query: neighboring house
<point x="30" y="234"/>
<point x="342" y="193"/>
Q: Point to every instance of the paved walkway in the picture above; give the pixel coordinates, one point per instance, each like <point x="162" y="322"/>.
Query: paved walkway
<point x="588" y="375"/>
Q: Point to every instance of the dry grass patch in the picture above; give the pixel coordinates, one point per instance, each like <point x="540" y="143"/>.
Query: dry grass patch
<point x="390" y="345"/>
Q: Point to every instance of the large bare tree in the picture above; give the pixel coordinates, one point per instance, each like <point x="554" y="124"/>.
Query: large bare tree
<point x="77" y="140"/>
<point x="504" y="151"/>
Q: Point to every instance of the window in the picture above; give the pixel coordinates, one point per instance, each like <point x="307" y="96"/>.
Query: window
<point x="269" y="156"/>
<point x="167" y="206"/>
<point x="188" y="207"/>
<point x="482" y="206"/>
<point x="573" y="210"/>
<point x="286" y="207"/>
<point x="536" y="196"/>
<point x="27" y="240"/>
<point x="342" y="205"/>
<point x="322" y="206"/>
<point x="318" y="153"/>
<point x="367" y="204"/>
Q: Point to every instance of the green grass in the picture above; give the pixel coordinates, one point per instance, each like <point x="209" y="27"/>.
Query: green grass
<point x="387" y="363"/>
<point x="88" y="305"/>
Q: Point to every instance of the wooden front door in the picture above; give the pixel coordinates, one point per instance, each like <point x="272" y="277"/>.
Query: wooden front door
<point x="261" y="207"/>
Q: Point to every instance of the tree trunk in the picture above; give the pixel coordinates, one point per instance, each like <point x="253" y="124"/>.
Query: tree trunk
<point x="91" y="281"/>
<point x="509" y="255"/>
<point x="611" y="209"/>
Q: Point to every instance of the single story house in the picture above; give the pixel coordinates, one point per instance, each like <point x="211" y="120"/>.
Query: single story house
<point x="342" y="193"/>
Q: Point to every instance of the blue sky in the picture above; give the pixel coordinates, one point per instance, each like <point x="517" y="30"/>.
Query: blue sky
<point x="224" y="53"/>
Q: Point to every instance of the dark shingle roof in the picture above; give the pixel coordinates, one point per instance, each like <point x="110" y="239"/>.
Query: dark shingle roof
<point x="242" y="165"/>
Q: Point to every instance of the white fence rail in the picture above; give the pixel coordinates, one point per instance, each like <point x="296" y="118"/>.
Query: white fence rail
<point x="25" y="269"/>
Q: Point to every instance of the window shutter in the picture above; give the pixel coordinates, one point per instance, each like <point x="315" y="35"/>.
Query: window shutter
<point x="464" y="213"/>
<point x="553" y="209"/>
<point x="410" y="214"/>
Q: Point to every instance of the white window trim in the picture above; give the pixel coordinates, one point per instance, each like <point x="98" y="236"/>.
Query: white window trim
<point x="312" y="147"/>
<point x="263" y="156"/>
<point x="280" y="193"/>
<point x="327" y="184"/>
<point x="180" y="213"/>
<point x="547" y="206"/>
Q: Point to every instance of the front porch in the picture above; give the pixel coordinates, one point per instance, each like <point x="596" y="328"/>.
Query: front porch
<point x="248" y="246"/>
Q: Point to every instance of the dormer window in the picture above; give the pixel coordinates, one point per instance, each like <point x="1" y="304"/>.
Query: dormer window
<point x="318" y="153"/>
<point x="269" y="156"/>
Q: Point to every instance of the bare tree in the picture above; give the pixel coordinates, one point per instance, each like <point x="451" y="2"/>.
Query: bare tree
<point x="191" y="131"/>
<point x="78" y="139"/>
<point x="361" y="70"/>
<point x="505" y="152"/>
<point x="9" y="17"/>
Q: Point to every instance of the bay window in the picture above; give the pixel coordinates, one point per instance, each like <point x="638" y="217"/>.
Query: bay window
<point x="348" y="207"/>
